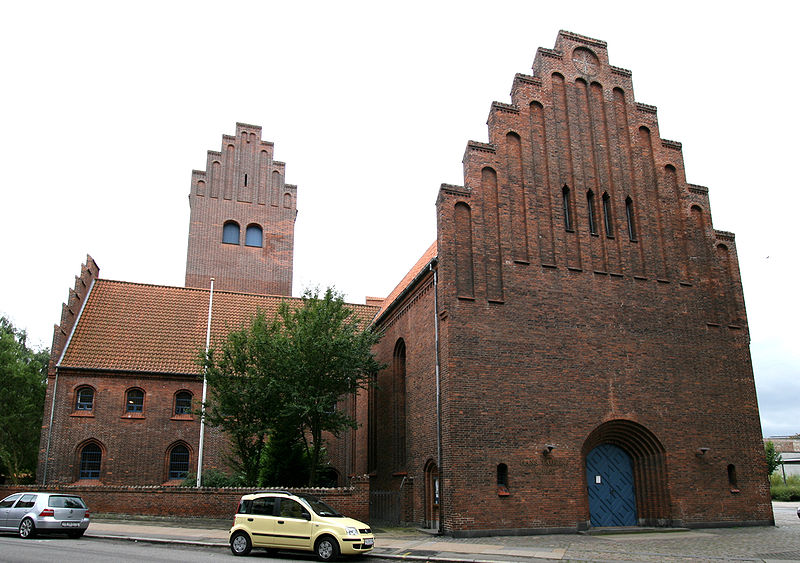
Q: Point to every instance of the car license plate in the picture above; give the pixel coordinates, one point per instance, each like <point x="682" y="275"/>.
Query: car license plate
<point x="70" y="524"/>
<point x="369" y="542"/>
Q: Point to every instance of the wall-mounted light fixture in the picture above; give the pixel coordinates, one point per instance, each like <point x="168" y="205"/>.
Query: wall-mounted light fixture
<point x="548" y="449"/>
<point x="702" y="451"/>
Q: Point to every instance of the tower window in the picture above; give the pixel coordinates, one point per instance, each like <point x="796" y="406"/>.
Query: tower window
<point x="565" y="206"/>
<point x="230" y="233"/>
<point x="590" y="210"/>
<point x="607" y="215"/>
<point x="629" y="215"/>
<point x="253" y="236"/>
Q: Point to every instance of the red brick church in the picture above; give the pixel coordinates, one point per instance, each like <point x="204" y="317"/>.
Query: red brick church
<point x="572" y="351"/>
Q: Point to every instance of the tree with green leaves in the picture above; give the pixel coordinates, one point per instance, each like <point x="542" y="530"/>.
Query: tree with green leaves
<point x="286" y="375"/>
<point x="773" y="457"/>
<point x="329" y="355"/>
<point x="23" y="379"/>
<point x="244" y="399"/>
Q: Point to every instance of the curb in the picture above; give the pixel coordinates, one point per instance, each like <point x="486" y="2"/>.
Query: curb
<point x="404" y="557"/>
<point x="156" y="540"/>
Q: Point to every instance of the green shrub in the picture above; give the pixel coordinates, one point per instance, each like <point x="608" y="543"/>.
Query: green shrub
<point x="214" y="478"/>
<point x="777" y="479"/>
<point x="785" y="493"/>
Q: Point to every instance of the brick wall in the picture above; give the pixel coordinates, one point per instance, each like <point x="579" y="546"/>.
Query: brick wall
<point x="197" y="503"/>
<point x="414" y="421"/>
<point x="135" y="446"/>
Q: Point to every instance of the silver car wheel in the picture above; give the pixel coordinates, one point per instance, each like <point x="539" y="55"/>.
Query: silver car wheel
<point x="327" y="550"/>
<point x="240" y="544"/>
<point x="27" y="529"/>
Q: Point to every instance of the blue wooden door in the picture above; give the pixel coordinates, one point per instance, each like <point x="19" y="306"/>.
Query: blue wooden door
<point x="609" y="476"/>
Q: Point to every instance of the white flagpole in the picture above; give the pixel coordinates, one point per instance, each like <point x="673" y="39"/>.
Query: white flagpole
<point x="205" y="388"/>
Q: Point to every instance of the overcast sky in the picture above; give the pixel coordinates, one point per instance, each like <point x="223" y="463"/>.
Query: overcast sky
<point x="108" y="106"/>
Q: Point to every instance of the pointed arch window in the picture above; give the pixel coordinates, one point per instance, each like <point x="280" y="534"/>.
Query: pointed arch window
<point x="566" y="209"/>
<point x="91" y="458"/>
<point x="253" y="236"/>
<point x="399" y="396"/>
<point x="607" y="215"/>
<point x="590" y="212"/>
<point x="178" y="462"/>
<point x="630" y="217"/>
<point x="230" y="232"/>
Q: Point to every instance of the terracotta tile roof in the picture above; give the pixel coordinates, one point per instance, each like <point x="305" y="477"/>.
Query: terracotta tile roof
<point x="423" y="262"/>
<point x="160" y="329"/>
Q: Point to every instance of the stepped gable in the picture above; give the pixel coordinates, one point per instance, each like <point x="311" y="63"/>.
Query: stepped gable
<point x="576" y="176"/>
<point x="241" y="227"/>
<point x="70" y="310"/>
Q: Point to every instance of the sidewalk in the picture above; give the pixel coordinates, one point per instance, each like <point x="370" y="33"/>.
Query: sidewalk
<point x="778" y="543"/>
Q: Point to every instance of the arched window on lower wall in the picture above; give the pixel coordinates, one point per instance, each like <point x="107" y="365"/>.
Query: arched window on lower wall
<point x="91" y="460"/>
<point x="178" y="462"/>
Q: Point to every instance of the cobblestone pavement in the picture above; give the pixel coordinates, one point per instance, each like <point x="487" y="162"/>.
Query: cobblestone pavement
<point x="778" y="543"/>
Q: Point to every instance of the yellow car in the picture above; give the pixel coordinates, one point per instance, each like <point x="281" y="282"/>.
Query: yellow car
<point x="278" y="520"/>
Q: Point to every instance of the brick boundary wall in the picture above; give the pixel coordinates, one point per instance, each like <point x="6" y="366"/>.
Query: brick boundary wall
<point x="196" y="503"/>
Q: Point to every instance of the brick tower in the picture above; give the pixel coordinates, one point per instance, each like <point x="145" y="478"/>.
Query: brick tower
<point x="241" y="227"/>
<point x="590" y="349"/>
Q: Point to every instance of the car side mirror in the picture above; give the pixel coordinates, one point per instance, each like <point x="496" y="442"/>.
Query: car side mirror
<point x="306" y="515"/>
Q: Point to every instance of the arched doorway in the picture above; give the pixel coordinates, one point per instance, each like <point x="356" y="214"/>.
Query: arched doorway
<point x="626" y="476"/>
<point x="431" y="495"/>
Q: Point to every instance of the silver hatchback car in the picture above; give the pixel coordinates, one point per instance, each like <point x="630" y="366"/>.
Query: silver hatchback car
<point x="32" y="513"/>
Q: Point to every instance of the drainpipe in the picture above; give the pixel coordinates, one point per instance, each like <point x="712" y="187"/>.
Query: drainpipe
<point x="438" y="395"/>
<point x="205" y="389"/>
<point x="50" y="429"/>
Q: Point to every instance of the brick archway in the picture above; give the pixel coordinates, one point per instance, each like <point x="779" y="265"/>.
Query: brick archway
<point x="649" y="467"/>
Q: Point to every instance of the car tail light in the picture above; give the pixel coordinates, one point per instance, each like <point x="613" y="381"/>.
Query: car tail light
<point x="86" y="515"/>
<point x="47" y="512"/>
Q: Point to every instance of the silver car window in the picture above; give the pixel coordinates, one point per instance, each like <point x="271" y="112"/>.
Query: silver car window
<point x="8" y="501"/>
<point x="26" y="501"/>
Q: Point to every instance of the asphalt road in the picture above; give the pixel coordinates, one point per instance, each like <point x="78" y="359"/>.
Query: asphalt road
<point x="89" y="550"/>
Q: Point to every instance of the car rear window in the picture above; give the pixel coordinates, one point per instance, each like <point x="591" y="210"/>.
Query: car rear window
<point x="63" y="501"/>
